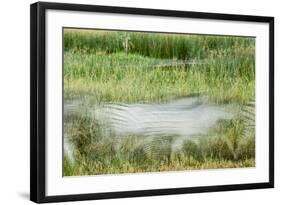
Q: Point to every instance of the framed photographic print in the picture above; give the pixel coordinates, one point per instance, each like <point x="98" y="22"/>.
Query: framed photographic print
<point x="129" y="102"/>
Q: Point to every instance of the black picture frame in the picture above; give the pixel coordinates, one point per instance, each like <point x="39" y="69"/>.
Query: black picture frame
<point x="38" y="101"/>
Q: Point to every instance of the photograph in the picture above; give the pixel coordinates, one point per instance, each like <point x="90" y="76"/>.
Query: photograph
<point x="134" y="102"/>
<point x="143" y="101"/>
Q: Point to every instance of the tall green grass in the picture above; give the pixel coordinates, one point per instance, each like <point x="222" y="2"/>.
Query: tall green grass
<point x="115" y="66"/>
<point x="226" y="76"/>
<point x="180" y="46"/>
<point x="223" y="147"/>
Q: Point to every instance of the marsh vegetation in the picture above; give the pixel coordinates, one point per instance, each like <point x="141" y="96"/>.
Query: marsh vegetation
<point x="146" y="102"/>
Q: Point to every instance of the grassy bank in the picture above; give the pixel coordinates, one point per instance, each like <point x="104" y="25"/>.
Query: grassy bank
<point x="151" y="44"/>
<point x="135" y="67"/>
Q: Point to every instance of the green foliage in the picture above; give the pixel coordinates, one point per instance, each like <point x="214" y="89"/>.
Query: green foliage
<point x="123" y="67"/>
<point x="130" y="78"/>
<point x="155" y="45"/>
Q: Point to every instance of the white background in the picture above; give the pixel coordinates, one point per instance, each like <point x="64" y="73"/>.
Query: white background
<point x="14" y="102"/>
<point x="56" y="185"/>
